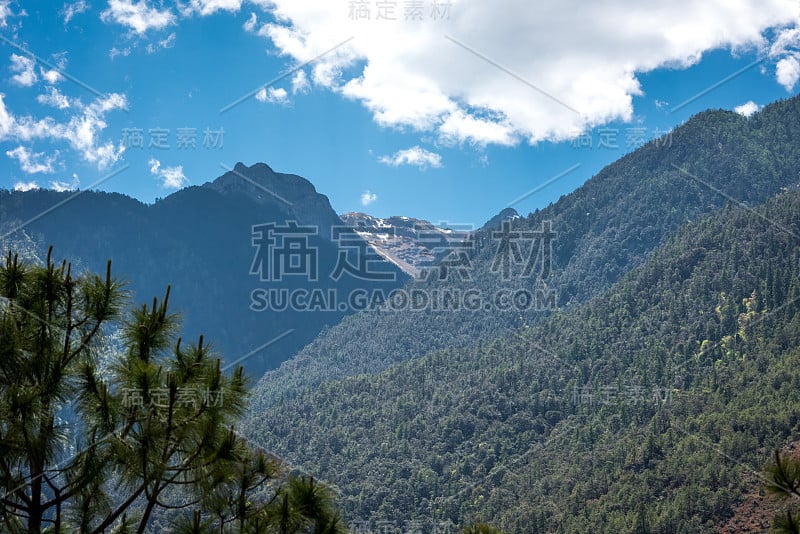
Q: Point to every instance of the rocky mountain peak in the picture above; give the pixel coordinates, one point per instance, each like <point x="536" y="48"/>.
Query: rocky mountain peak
<point x="291" y="194"/>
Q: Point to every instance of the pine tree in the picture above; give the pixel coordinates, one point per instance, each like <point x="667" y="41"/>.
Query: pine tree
<point x="91" y="444"/>
<point x="50" y="325"/>
<point x="480" y="528"/>
<point x="783" y="481"/>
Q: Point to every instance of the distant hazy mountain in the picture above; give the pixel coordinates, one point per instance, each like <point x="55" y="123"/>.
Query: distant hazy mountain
<point x="214" y="244"/>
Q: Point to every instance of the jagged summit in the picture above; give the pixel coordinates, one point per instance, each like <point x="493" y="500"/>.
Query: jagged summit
<point x="292" y="194"/>
<point x="264" y="184"/>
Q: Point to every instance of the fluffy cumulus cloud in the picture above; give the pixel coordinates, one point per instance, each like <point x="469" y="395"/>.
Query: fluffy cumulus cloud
<point x="171" y="177"/>
<point x="81" y="131"/>
<point x="787" y="72"/>
<point x="747" y="109"/>
<point x="51" y="76"/>
<point x="53" y="97"/>
<point x="62" y="185"/>
<point x="32" y="163"/>
<point x="273" y="95"/>
<point x="138" y="16"/>
<point x="511" y="71"/>
<point x="26" y="186"/>
<point x="24" y="69"/>
<point x="368" y="198"/>
<point x="786" y="49"/>
<point x="415" y="155"/>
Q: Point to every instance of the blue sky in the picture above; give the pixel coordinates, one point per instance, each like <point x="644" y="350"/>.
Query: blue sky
<point x="447" y="111"/>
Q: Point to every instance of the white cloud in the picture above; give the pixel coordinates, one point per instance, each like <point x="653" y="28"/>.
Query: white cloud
<point x="26" y="186"/>
<point x="5" y="12"/>
<point x="24" y="67"/>
<point x="114" y="52"/>
<point x="368" y="198"/>
<point x="300" y="83"/>
<point x="171" y="177"/>
<point x="410" y="75"/>
<point x="82" y="130"/>
<point x="62" y="186"/>
<point x="461" y="126"/>
<point x="138" y="16"/>
<point x="54" y="98"/>
<point x="250" y="24"/>
<point x="60" y="59"/>
<point x="207" y="7"/>
<point x="32" y="163"/>
<point x="51" y="76"/>
<point x="787" y="72"/>
<point x="169" y="42"/>
<point x="786" y="41"/>
<point x="70" y="10"/>
<point x="273" y="95"/>
<point x="747" y="109"/>
<point x="413" y="156"/>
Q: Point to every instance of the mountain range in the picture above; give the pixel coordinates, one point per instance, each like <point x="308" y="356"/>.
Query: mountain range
<point x="643" y="401"/>
<point x="622" y="360"/>
<point x="217" y="245"/>
<point x="604" y="229"/>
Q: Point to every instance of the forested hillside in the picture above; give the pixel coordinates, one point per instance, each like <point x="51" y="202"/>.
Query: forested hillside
<point x="604" y="229"/>
<point x="201" y="240"/>
<point x="649" y="409"/>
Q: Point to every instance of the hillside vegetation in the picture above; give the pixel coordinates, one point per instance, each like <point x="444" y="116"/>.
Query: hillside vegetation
<point x="646" y="410"/>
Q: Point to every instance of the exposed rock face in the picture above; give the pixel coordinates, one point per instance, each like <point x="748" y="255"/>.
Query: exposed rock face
<point x="407" y="242"/>
<point x="413" y="244"/>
